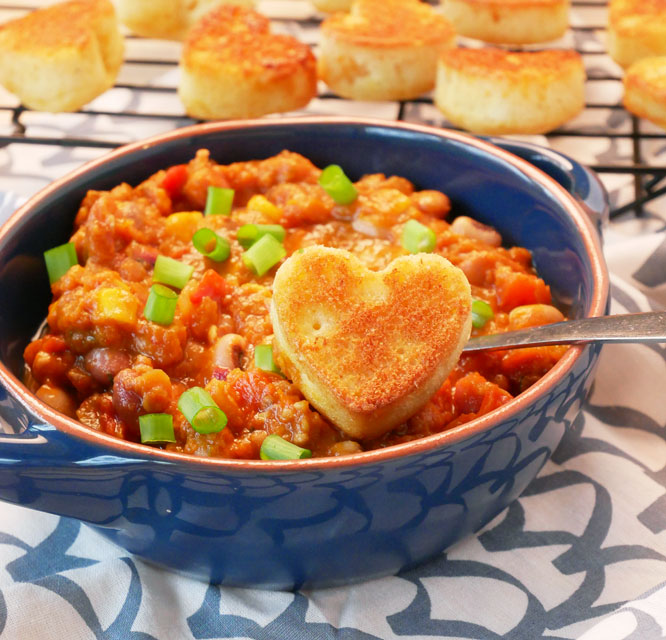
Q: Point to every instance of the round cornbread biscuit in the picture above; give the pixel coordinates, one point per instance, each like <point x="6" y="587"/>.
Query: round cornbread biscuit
<point x="61" y="57"/>
<point x="167" y="19"/>
<point x="233" y="67"/>
<point x="329" y="6"/>
<point x="508" y="21"/>
<point x="383" y="49"/>
<point x="496" y="91"/>
<point x="645" y="89"/>
<point x="636" y="29"/>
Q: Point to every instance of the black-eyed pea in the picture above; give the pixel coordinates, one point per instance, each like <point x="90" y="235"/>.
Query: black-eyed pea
<point x="475" y="230"/>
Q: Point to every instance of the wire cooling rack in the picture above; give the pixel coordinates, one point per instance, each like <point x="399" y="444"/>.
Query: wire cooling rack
<point x="628" y="154"/>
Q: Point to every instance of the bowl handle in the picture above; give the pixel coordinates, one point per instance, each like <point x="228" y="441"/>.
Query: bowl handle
<point x="35" y="457"/>
<point x="582" y="183"/>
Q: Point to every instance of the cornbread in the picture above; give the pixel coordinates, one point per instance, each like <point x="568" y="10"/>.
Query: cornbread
<point x="334" y="319"/>
<point x="383" y="49"/>
<point x="508" y="21"/>
<point x="329" y="6"/>
<point x="636" y="29"/>
<point x="496" y="92"/>
<point x="167" y="19"/>
<point x="645" y="89"/>
<point x="233" y="67"/>
<point x="61" y="57"/>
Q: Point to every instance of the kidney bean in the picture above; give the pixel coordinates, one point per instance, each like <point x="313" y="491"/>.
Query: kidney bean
<point x="105" y="363"/>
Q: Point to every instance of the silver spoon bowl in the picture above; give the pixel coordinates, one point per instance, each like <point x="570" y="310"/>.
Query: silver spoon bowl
<point x="632" y="327"/>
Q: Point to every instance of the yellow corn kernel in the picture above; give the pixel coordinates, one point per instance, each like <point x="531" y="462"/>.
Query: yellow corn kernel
<point x="261" y="204"/>
<point x="115" y="305"/>
<point x="183" y="225"/>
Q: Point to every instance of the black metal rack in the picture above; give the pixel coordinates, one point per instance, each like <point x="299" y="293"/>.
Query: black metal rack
<point x="649" y="178"/>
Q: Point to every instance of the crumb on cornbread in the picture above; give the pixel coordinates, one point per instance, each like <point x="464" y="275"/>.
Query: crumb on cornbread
<point x="496" y="91"/>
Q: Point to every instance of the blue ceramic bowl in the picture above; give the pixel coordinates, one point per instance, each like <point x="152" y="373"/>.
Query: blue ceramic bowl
<point x="311" y="522"/>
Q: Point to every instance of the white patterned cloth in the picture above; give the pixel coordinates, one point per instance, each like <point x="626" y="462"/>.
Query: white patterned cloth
<point x="582" y="554"/>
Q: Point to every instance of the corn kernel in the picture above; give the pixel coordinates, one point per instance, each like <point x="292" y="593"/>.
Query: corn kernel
<point x="116" y="305"/>
<point x="261" y="204"/>
<point x="183" y="225"/>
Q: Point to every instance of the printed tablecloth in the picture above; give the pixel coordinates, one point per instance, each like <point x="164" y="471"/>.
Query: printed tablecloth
<point x="582" y="554"/>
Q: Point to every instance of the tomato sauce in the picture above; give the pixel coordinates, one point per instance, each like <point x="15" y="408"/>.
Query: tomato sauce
<point x="108" y="367"/>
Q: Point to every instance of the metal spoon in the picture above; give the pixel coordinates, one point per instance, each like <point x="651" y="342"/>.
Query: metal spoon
<point x="632" y="327"/>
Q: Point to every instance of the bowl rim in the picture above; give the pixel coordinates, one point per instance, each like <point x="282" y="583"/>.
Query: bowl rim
<point x="438" y="441"/>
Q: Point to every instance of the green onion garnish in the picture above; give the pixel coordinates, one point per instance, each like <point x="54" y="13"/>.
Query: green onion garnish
<point x="161" y="305"/>
<point x="219" y="201"/>
<point x="263" y="359"/>
<point x="337" y="184"/>
<point x="172" y="272"/>
<point x="59" y="260"/>
<point x="156" y="427"/>
<point x="201" y="411"/>
<point x="418" y="238"/>
<point x="208" y="243"/>
<point x="276" y="448"/>
<point x="481" y="313"/>
<point x="248" y="234"/>
<point x="264" y="254"/>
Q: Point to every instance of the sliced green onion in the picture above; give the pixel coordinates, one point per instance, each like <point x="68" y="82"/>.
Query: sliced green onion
<point x="156" y="427"/>
<point x="201" y="411"/>
<point x="59" y="260"/>
<point x="263" y="359"/>
<point x="219" y="201"/>
<point x="161" y="305"/>
<point x="418" y="238"/>
<point x="172" y="272"/>
<point x="481" y="313"/>
<point x="248" y="234"/>
<point x="276" y="448"/>
<point x="208" y="243"/>
<point x="337" y="184"/>
<point x="264" y="254"/>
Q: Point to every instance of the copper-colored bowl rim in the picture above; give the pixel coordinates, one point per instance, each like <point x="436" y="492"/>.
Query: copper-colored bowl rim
<point x="430" y="443"/>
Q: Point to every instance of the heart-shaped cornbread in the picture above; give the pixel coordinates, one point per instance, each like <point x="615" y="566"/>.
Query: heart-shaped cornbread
<point x="367" y="348"/>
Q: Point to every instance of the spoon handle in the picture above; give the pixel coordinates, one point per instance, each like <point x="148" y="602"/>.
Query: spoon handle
<point x="632" y="327"/>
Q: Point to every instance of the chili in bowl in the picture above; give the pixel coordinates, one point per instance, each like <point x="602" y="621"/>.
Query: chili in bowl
<point x="162" y="334"/>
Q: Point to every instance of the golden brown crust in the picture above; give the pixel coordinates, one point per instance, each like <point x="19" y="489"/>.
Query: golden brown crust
<point x="234" y="67"/>
<point x="533" y="65"/>
<point x="389" y="23"/>
<point x="368" y="349"/>
<point x="70" y="24"/>
<point x="236" y="40"/>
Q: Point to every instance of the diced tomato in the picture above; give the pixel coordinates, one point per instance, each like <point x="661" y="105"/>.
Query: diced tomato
<point x="174" y="180"/>
<point x="474" y="394"/>
<point x="212" y="285"/>
<point x="517" y="289"/>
